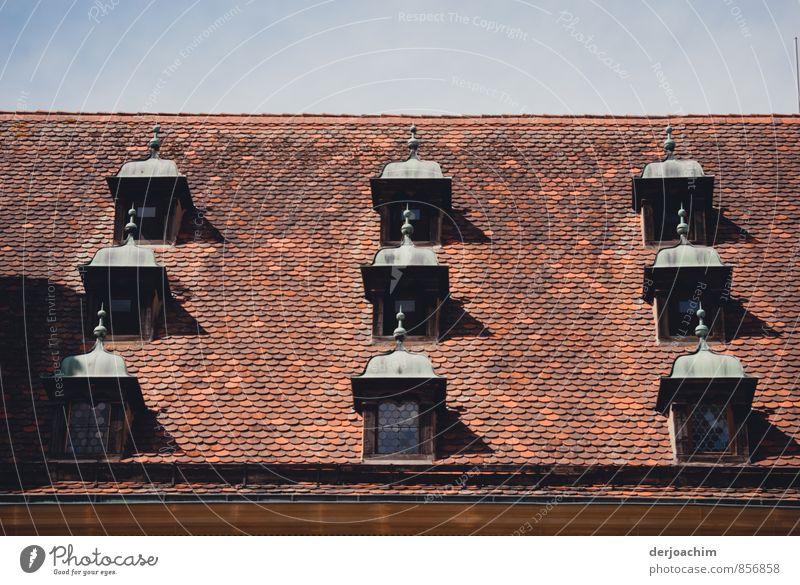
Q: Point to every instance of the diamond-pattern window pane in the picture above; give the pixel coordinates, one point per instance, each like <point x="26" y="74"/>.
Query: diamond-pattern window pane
<point x="88" y="428"/>
<point x="709" y="426"/>
<point x="398" y="427"/>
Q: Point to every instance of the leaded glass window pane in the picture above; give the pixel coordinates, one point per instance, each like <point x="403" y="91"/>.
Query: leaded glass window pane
<point x="398" y="427"/>
<point x="709" y="427"/>
<point x="88" y="429"/>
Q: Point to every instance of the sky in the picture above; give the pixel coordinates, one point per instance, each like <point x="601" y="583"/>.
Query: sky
<point x="411" y="57"/>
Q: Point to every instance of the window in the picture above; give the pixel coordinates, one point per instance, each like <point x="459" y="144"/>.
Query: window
<point x="398" y="427"/>
<point x="121" y="305"/>
<point x="145" y="212"/>
<point x="664" y="225"/>
<point x="157" y="221"/>
<point x="420" y="315"/>
<point x="677" y="320"/>
<point x="131" y="317"/>
<point x="681" y="317"/>
<point x="90" y="430"/>
<point x="709" y="432"/>
<point x="425" y="219"/>
<point x="660" y="223"/>
<point x="709" y="428"/>
<point x="123" y="318"/>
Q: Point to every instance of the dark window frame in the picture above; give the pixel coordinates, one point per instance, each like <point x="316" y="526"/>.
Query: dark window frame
<point x="652" y="218"/>
<point x="681" y="434"/>
<point x="171" y="210"/>
<point x="391" y="217"/>
<point x="384" y="322"/>
<point x="120" y="423"/>
<point x="148" y="312"/>
<point x="670" y="323"/>
<point x="426" y="433"/>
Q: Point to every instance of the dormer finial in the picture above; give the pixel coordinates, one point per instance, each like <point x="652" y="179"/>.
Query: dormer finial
<point x="400" y="332"/>
<point x="683" y="227"/>
<point x="100" y="331"/>
<point x="702" y="329"/>
<point x="669" y="143"/>
<point x="155" y="141"/>
<point x="407" y="229"/>
<point x="131" y="227"/>
<point x="413" y="142"/>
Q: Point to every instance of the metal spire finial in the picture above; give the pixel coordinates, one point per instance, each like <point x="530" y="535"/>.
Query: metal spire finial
<point x="702" y="329"/>
<point x="155" y="141"/>
<point x="400" y="332"/>
<point x="413" y="142"/>
<point x="131" y="226"/>
<point x="669" y="143"/>
<point x="100" y="331"/>
<point x="683" y="227"/>
<point x="407" y="229"/>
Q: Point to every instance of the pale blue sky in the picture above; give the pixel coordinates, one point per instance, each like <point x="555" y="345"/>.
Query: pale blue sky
<point x="426" y="57"/>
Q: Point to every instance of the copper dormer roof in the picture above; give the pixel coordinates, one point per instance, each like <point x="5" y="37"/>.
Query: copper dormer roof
<point x="399" y="363"/>
<point x="670" y="181"/>
<point x="412" y="180"/>
<point x="127" y="254"/>
<point x="706" y="376"/>
<point x="671" y="167"/>
<point x="406" y="254"/>
<point x="412" y="167"/>
<point x="98" y="363"/>
<point x="151" y="178"/>
<point x="686" y="254"/>
<point x="94" y="376"/>
<point x="153" y="165"/>
<point x="703" y="362"/>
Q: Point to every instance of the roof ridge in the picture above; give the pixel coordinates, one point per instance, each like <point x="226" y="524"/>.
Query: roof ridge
<point x="339" y="116"/>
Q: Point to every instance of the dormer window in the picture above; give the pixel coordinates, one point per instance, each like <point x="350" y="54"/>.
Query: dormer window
<point x="128" y="280"/>
<point x="399" y="396"/>
<point x="397" y="429"/>
<point x="416" y="185"/>
<point x="660" y="221"/>
<point x="666" y="186"/>
<point x="420" y="310"/>
<point x="406" y="278"/>
<point x="710" y="429"/>
<point x="93" y="429"/>
<point x="95" y="399"/>
<point x="159" y="221"/>
<point x="425" y="219"/>
<point x="681" y="279"/>
<point x="708" y="399"/>
<point x="156" y="191"/>
<point x="675" y="313"/>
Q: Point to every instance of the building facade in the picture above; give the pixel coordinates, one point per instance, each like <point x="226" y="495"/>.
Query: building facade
<point x="343" y="325"/>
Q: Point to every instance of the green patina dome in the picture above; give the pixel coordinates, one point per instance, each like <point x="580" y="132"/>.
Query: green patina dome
<point x="670" y="167"/>
<point x="98" y="363"/>
<point x="399" y="363"/>
<point x="406" y="254"/>
<point x="413" y="167"/>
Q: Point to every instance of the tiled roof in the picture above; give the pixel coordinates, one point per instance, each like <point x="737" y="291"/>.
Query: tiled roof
<point x="551" y="358"/>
